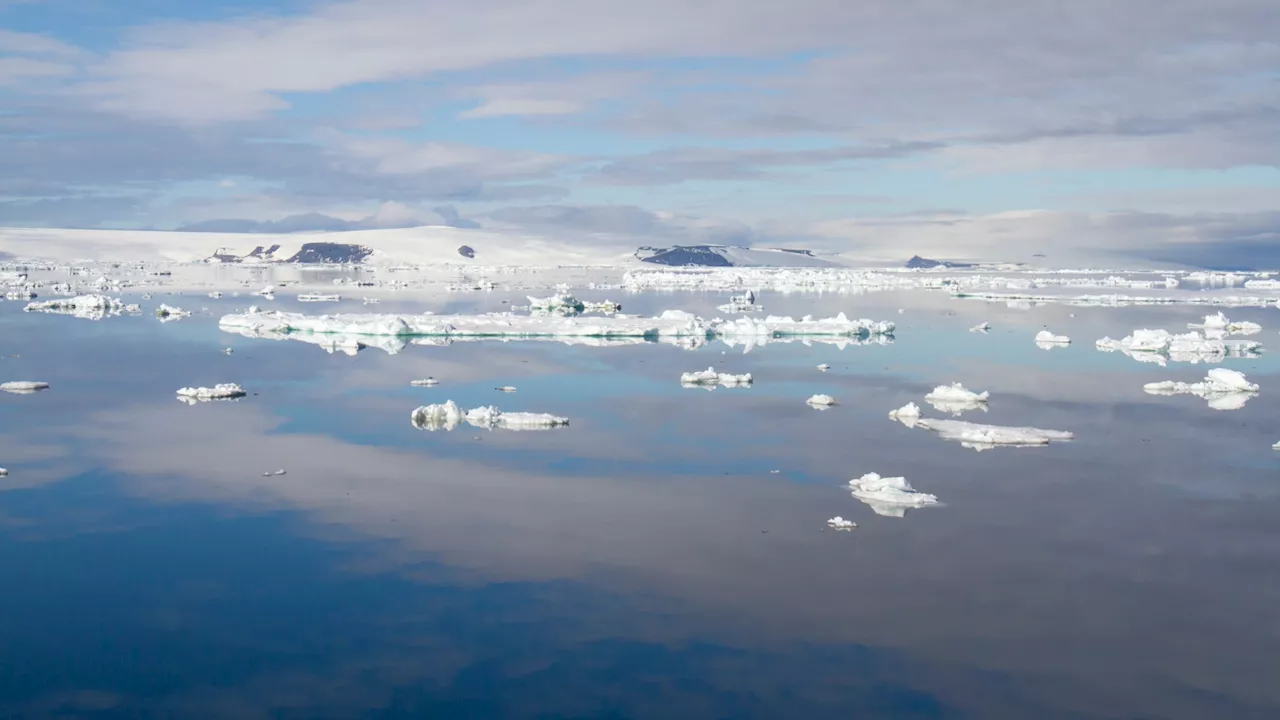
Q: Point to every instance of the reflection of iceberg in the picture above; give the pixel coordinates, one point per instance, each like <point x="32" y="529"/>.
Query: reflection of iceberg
<point x="710" y="378"/>
<point x="1223" y="389"/>
<point x="1159" y="346"/>
<point x="672" y="326"/>
<point x="221" y="391"/>
<point x="90" y="307"/>
<point x="984" y="437"/>
<point x="889" y="496"/>
<point x="955" y="399"/>
<point x="447" y="416"/>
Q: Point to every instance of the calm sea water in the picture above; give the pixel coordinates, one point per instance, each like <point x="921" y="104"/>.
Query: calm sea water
<point x="666" y="556"/>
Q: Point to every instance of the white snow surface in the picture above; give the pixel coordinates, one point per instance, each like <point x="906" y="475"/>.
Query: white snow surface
<point x="447" y="416"/>
<point x="221" y="391"/>
<point x="889" y="496"/>
<point x="23" y="387"/>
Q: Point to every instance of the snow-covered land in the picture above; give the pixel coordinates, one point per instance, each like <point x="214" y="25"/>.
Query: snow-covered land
<point x="447" y="416"/>
<point x="1223" y="389"/>
<point x="889" y="496"/>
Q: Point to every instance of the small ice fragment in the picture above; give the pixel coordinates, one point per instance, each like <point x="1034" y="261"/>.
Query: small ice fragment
<point x="889" y="496"/>
<point x="984" y="437"/>
<point x="839" y="523"/>
<point x="908" y="414"/>
<point x="267" y="292"/>
<point x="824" y="367"/>
<point x="1044" y="337"/>
<point x="272" y="473"/>
<point x="448" y="415"/>
<point x="23" y="387"/>
<point x="3" y="472"/>
<point x="1223" y="389"/>
<point x="776" y="472"/>
<point x="1276" y="446"/>
<point x="710" y="377"/>
<point x="955" y="399"/>
<point x="821" y="401"/>
<point x="316" y="297"/>
<point x="215" y="294"/>
<point x="506" y="388"/>
<point x="168" y="312"/>
<point x="425" y="382"/>
<point x="228" y="351"/>
<point x="981" y="327"/>
<point x="221" y="391"/>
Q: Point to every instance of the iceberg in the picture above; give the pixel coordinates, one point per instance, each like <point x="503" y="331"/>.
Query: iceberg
<point x="1223" y="389"/>
<point x="1219" y="322"/>
<point x="1160" y="346"/>
<point x="1046" y="339"/>
<point x="23" y="387"/>
<point x="839" y="523"/>
<point x="955" y="399"/>
<point x="168" y="313"/>
<point x="221" y="391"/>
<point x="980" y="437"/>
<point x="447" y="416"/>
<point x="425" y="382"/>
<point x="981" y="327"/>
<point x="824" y="367"/>
<point x="89" y="307"/>
<point x="710" y="378"/>
<point x="821" y="402"/>
<point x="562" y="303"/>
<point x="316" y="297"/>
<point x="889" y="496"/>
<point x="908" y="414"/>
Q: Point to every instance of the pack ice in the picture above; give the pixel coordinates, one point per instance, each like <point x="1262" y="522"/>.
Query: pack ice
<point x="956" y="399"/>
<point x="889" y="496"/>
<point x="1162" y="346"/>
<point x="221" y="391"/>
<point x="24" y="387"/>
<point x="977" y="436"/>
<point x="447" y="416"/>
<point x="709" y="378"/>
<point x="89" y="307"/>
<point x="1223" y="389"/>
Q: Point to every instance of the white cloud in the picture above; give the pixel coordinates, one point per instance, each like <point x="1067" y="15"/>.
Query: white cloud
<point x="501" y="108"/>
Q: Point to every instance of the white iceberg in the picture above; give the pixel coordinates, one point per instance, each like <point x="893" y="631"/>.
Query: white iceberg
<point x="979" y="437"/>
<point x="1046" y="339"/>
<point x="955" y="399"/>
<point x="1160" y="346"/>
<point x="821" y="402"/>
<point x="447" y="416"/>
<point x="839" y="523"/>
<point x="90" y="307"/>
<point x="425" y="382"/>
<point x="1223" y="389"/>
<point x="317" y="297"/>
<point x="167" y="313"/>
<point x="981" y="327"/>
<point x="889" y="496"/>
<point x="711" y="378"/>
<point x="562" y="303"/>
<point x="221" y="391"/>
<point x="1219" y="322"/>
<point x="824" y="367"/>
<point x="24" y="387"/>
<point x="908" y="414"/>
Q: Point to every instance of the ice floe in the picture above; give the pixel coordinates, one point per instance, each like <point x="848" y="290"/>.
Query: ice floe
<point x="273" y="473"/>
<point x="839" y="523"/>
<point x="221" y="391"/>
<point x="981" y="327"/>
<point x="889" y="496"/>
<point x="1223" y="389"/>
<point x="447" y="416"/>
<point x="674" y="326"/>
<point x="1219" y="323"/>
<point x="24" y="387"/>
<point x="506" y="388"/>
<point x="318" y="297"/>
<point x="1161" y="346"/>
<point x="908" y="414"/>
<point x="709" y="378"/>
<point x="977" y="436"/>
<point x="90" y="307"/>
<point x="824" y="367"/>
<point x="168" y="313"/>
<point x="1046" y="340"/>
<point x="956" y="399"/>
<point x="425" y="382"/>
<point x="821" y="402"/>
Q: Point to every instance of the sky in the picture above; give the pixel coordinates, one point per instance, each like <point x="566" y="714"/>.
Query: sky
<point x="981" y="129"/>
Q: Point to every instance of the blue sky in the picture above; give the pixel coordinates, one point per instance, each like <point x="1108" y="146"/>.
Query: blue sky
<point x="963" y="129"/>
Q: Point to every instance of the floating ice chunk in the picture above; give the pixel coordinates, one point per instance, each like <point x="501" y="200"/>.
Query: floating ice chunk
<point x="710" y="377"/>
<point x="4" y="472"/>
<point x="908" y="414"/>
<point x="889" y="496"/>
<point x="24" y="387"/>
<point x="983" y="437"/>
<point x="506" y="388"/>
<point x="268" y="292"/>
<point x="168" y="312"/>
<point x="981" y="327"/>
<point x="821" y="402"/>
<point x="447" y="416"/>
<point x="425" y="382"/>
<point x="91" y="307"/>
<point x="215" y="294"/>
<point x="221" y="391"/>
<point x="1191" y="347"/>
<point x="955" y="399"/>
<point x="1223" y="389"/>
<point x="824" y="367"/>
<point x="561" y="303"/>
<point x="317" y="297"/>
<point x="1219" y="322"/>
<point x="839" y="523"/>
<point x="228" y="351"/>
<point x="1276" y="446"/>
<point x="273" y="473"/>
<point x="1044" y="337"/>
